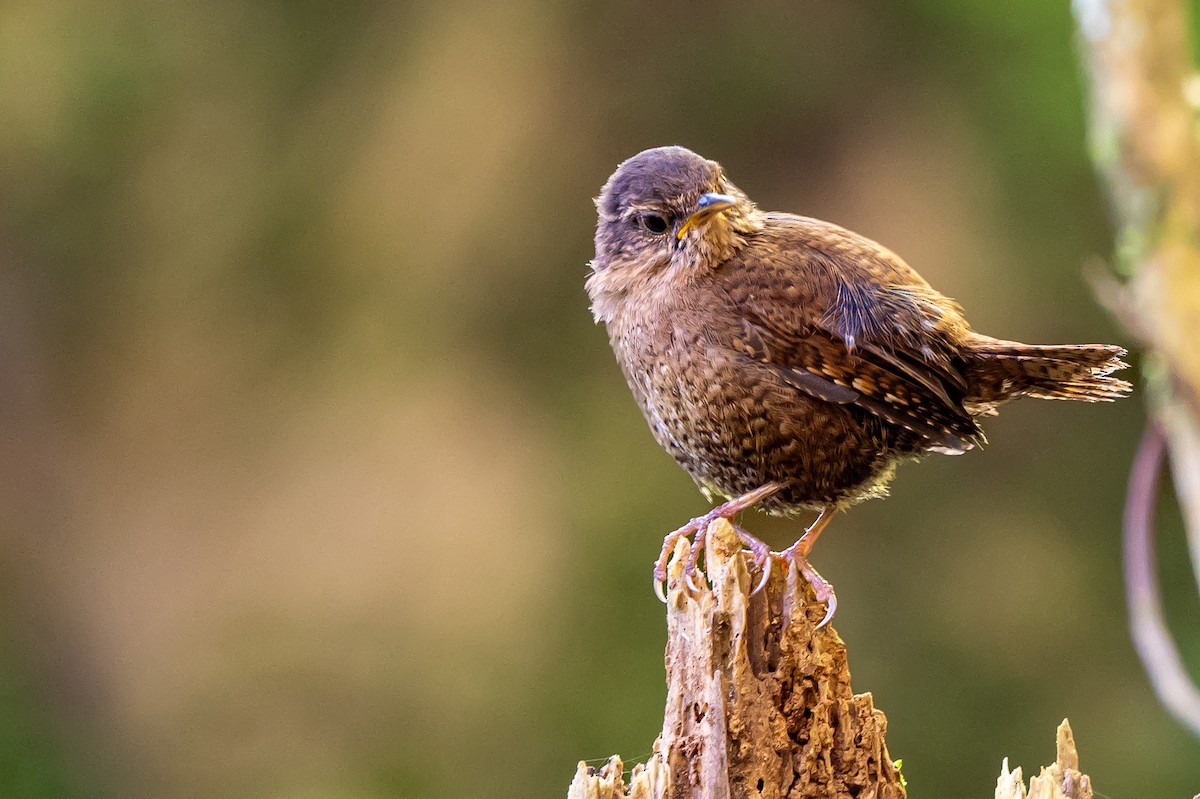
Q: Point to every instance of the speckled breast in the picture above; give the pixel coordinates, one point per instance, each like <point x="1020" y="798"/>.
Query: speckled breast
<point x="734" y="425"/>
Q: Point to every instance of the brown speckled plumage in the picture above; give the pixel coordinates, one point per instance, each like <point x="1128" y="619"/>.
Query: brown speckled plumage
<point x="766" y="347"/>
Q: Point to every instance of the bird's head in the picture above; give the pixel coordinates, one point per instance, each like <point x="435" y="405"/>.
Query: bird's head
<point x="666" y="211"/>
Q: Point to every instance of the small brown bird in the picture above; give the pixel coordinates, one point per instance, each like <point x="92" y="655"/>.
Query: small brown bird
<point x="789" y="363"/>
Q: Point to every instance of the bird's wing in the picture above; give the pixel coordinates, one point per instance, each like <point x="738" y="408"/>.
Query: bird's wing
<point x="821" y="366"/>
<point x="845" y="320"/>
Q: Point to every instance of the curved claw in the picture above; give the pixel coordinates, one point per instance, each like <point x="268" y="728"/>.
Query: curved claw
<point x="821" y="587"/>
<point x="761" y="554"/>
<point x="765" y="565"/>
<point x="690" y="566"/>
<point x="830" y="609"/>
<point x="660" y="589"/>
<point x="660" y="565"/>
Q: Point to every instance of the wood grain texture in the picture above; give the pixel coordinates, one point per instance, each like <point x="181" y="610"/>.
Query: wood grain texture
<point x="759" y="702"/>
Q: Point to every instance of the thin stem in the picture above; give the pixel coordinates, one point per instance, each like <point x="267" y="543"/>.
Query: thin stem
<point x="1151" y="638"/>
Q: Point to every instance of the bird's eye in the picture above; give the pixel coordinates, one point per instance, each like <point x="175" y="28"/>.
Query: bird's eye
<point x="653" y="223"/>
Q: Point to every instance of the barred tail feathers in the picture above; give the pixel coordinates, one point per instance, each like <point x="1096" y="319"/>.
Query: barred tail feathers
<point x="1001" y="370"/>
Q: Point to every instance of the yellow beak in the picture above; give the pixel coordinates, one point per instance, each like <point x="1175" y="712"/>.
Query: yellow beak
<point x="709" y="206"/>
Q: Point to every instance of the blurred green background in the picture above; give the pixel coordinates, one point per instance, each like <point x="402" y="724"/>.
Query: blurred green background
<point x="318" y="480"/>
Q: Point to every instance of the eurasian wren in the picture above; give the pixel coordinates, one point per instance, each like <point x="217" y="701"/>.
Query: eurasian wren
<point x="788" y="362"/>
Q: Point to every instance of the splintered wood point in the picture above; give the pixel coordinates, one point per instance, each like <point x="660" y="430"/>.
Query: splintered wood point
<point x="758" y="700"/>
<point x="1060" y="780"/>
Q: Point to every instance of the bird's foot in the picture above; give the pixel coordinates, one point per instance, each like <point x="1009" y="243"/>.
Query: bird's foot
<point x="796" y="556"/>
<point x="762" y="557"/>
<point x="759" y="551"/>
<point x="699" y="526"/>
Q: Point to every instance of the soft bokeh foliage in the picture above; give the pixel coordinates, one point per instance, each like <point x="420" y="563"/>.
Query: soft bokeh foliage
<point x="318" y="480"/>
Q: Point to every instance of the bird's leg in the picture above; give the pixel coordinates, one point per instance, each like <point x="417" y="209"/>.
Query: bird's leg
<point x="699" y="525"/>
<point x="806" y="542"/>
<point x="798" y="552"/>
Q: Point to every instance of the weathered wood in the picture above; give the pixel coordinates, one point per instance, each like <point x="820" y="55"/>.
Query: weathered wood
<point x="1060" y="780"/>
<point x="607" y="781"/>
<point x="758" y="702"/>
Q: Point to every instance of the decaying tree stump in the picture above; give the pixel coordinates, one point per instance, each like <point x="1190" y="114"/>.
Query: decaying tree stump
<point x="759" y="703"/>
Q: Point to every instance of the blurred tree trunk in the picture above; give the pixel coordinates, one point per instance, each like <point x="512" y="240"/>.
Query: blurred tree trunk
<point x="1144" y="141"/>
<point x="759" y="703"/>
